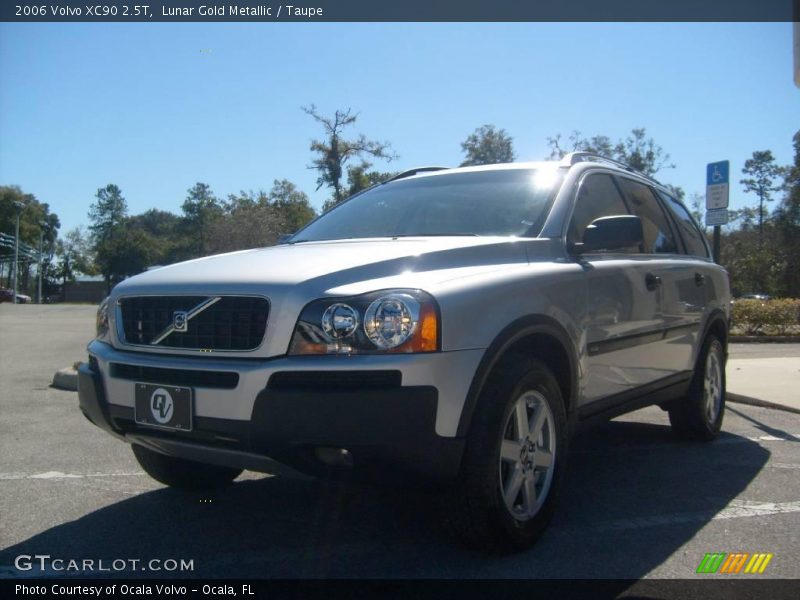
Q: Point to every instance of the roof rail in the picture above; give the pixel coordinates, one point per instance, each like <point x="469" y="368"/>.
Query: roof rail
<point x="576" y="157"/>
<point x="414" y="171"/>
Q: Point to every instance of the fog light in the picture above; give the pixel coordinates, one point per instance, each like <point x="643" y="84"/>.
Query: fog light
<point x="334" y="457"/>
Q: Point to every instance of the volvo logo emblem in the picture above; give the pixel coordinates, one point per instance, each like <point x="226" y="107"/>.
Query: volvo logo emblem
<point x="181" y="318"/>
<point x="180" y="321"/>
<point x="161" y="406"/>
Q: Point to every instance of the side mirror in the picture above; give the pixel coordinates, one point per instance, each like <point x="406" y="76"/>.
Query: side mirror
<point x="611" y="233"/>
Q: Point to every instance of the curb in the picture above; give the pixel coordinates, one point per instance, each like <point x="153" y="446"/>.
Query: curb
<point x="739" y="399"/>
<point x="66" y="378"/>
<point x="764" y="339"/>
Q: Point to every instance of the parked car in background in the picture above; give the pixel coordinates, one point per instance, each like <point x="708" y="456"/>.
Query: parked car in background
<point x="754" y="296"/>
<point x="7" y="295"/>
<point x="453" y="325"/>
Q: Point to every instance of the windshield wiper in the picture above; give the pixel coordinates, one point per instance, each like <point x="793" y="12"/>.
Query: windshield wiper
<point x="399" y="235"/>
<point x="393" y="236"/>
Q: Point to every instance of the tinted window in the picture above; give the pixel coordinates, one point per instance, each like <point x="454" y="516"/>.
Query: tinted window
<point x="502" y="202"/>
<point x="658" y="237"/>
<point x="597" y="197"/>
<point x="692" y="236"/>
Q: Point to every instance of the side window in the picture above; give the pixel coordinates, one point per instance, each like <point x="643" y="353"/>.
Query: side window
<point x="597" y="197"/>
<point x="658" y="237"/>
<point x="692" y="236"/>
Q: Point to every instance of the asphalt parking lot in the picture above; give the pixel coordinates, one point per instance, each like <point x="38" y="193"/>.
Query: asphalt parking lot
<point x="637" y="503"/>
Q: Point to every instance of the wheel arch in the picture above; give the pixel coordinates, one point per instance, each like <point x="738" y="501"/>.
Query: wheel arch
<point x="537" y="336"/>
<point x="717" y="324"/>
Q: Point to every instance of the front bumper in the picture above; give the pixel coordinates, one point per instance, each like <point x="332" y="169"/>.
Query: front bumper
<point x="388" y="416"/>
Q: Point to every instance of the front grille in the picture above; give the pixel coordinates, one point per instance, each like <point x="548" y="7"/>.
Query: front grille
<point x="230" y="323"/>
<point x="225" y="380"/>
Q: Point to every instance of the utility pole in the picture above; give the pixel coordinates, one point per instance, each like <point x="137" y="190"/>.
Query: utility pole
<point x="18" y="206"/>
<point x="42" y="227"/>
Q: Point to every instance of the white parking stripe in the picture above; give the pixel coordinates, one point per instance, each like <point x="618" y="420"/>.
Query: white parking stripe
<point x="735" y="510"/>
<point x="725" y="439"/>
<point x="59" y="475"/>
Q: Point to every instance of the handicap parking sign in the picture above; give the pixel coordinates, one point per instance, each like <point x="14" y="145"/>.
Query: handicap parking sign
<point x="717" y="185"/>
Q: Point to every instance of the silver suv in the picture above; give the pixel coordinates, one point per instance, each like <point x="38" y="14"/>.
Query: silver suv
<point x="451" y="325"/>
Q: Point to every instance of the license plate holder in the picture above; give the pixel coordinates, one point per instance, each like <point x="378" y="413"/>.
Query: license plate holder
<point x="163" y="406"/>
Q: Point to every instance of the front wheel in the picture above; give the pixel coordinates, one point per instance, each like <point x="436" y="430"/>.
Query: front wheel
<point x="513" y="462"/>
<point x="182" y="473"/>
<point x="699" y="415"/>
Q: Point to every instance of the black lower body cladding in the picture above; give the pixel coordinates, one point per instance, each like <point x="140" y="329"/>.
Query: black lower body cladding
<point x="389" y="432"/>
<point x="382" y="429"/>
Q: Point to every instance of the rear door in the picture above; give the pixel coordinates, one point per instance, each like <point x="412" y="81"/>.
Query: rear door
<point x="695" y="286"/>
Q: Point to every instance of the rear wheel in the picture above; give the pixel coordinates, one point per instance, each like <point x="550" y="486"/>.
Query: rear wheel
<point x="699" y="415"/>
<point x="513" y="462"/>
<point x="182" y="473"/>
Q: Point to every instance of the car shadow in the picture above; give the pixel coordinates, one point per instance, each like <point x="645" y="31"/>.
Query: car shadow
<point x="633" y="496"/>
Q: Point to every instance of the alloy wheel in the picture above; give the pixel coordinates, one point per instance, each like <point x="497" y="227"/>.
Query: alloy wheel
<point x="527" y="455"/>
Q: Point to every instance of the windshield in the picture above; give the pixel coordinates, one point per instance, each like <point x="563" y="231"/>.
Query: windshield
<point x="510" y="202"/>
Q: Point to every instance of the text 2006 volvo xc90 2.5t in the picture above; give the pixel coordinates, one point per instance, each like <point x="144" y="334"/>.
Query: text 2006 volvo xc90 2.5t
<point x="451" y="325"/>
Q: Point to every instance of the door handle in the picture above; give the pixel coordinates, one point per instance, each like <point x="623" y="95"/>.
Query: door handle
<point x="699" y="279"/>
<point x="652" y="281"/>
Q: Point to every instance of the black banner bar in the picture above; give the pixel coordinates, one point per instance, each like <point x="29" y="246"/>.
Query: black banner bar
<point x="731" y="588"/>
<point x="401" y="10"/>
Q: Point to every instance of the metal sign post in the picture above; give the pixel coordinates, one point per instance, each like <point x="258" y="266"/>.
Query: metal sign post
<point x="717" y="197"/>
<point x="18" y="206"/>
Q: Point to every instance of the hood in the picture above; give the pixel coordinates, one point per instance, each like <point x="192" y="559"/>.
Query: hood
<point x="331" y="264"/>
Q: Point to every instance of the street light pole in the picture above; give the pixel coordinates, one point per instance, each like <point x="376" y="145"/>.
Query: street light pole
<point x="18" y="206"/>
<point x="42" y="227"/>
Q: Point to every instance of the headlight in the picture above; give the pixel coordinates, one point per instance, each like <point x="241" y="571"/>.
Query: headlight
<point x="102" y="319"/>
<point x="391" y="320"/>
<point x="339" y="321"/>
<point x="402" y="321"/>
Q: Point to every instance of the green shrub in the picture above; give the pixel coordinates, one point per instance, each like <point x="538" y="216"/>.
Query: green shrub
<point x="766" y="317"/>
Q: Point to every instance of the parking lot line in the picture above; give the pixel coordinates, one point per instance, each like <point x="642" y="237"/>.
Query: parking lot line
<point x="59" y="475"/>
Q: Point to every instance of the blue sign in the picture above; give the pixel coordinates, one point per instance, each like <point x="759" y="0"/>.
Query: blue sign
<point x="717" y="173"/>
<point x="717" y="188"/>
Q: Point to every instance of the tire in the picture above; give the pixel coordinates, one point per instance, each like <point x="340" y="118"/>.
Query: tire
<point x="506" y="492"/>
<point x="699" y="415"/>
<point x="182" y="473"/>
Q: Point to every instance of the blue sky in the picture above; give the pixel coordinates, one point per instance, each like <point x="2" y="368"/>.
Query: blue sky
<point x="155" y="108"/>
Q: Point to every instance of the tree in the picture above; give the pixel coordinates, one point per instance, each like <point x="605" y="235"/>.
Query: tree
<point x="599" y="144"/>
<point x="334" y="152"/>
<point x="200" y="209"/>
<point x="637" y="150"/>
<point x="129" y="252"/>
<point x="762" y="172"/>
<point x="121" y="247"/>
<point x="107" y="214"/>
<point x="257" y="219"/>
<point x="359" y="177"/>
<point x="487" y="145"/>
<point x="251" y="222"/>
<point x="696" y="208"/>
<point x="31" y="219"/>
<point x="74" y="255"/>
<point x="291" y="205"/>
<point x="642" y="153"/>
<point x="787" y="222"/>
<point x="167" y="234"/>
